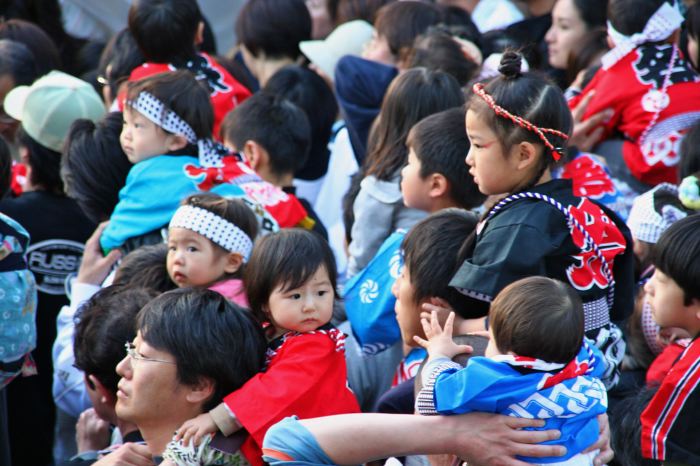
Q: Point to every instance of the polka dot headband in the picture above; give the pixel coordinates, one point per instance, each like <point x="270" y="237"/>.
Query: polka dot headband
<point x="522" y="122"/>
<point x="213" y="227"/>
<point x="148" y="105"/>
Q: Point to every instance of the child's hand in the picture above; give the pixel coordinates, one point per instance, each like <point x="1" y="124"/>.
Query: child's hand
<point x="196" y="429"/>
<point x="439" y="343"/>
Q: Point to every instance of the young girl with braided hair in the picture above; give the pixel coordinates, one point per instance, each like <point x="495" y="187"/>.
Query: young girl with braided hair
<point x="518" y="125"/>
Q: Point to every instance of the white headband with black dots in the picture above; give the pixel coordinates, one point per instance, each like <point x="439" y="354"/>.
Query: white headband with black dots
<point x="213" y="227"/>
<point x="659" y="27"/>
<point x="210" y="152"/>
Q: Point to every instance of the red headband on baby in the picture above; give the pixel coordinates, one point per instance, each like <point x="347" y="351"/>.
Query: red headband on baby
<point x="522" y="122"/>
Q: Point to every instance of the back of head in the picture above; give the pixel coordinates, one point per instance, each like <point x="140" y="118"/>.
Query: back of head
<point x="309" y="91"/>
<point x="529" y="96"/>
<point x="165" y="30"/>
<point x="538" y="317"/>
<point x="438" y="50"/>
<point x="105" y="322"/>
<point x="208" y="336"/>
<point x="273" y="28"/>
<point x="5" y="168"/>
<point x="437" y="239"/>
<point x="46" y="55"/>
<point x="275" y="123"/>
<point x="677" y="255"/>
<point x="401" y="22"/>
<point x="180" y="92"/>
<point x="17" y="61"/>
<point x="342" y="11"/>
<point x="287" y="259"/>
<point x="440" y="142"/>
<point x="44" y="162"/>
<point x="119" y="58"/>
<point x="631" y="16"/>
<point x="94" y="166"/>
<point x="412" y="96"/>
<point x="145" y="267"/>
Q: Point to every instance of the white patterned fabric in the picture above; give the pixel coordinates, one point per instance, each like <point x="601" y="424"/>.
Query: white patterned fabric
<point x="215" y="228"/>
<point x="651" y="215"/>
<point x="659" y="27"/>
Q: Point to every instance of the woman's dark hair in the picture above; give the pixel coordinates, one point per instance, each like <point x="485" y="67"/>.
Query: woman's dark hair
<point x="5" y="168"/>
<point x="343" y="11"/>
<point x="17" y="61"/>
<point x="45" y="53"/>
<point x="440" y="142"/>
<point x="286" y="259"/>
<point x="437" y="240"/>
<point x="677" y="255"/>
<point x="119" y="58"/>
<point x="401" y="22"/>
<point x="309" y="92"/>
<point x="437" y="50"/>
<point x="165" y="30"/>
<point x="273" y="27"/>
<point x="105" y="322"/>
<point x="530" y="96"/>
<point x="94" y="167"/>
<point x="690" y="152"/>
<point x="232" y="210"/>
<point x="631" y="16"/>
<point x="146" y="267"/>
<point x="181" y="93"/>
<point x="412" y="96"/>
<point x="594" y="45"/>
<point x="593" y="12"/>
<point x="538" y="317"/>
<point x="692" y="25"/>
<point x="207" y="335"/>
<point x="45" y="164"/>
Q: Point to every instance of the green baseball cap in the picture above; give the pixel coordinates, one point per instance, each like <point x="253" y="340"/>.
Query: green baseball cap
<point x="48" y="107"/>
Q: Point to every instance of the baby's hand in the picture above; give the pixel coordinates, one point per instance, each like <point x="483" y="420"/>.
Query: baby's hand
<point x="196" y="429"/>
<point x="439" y="342"/>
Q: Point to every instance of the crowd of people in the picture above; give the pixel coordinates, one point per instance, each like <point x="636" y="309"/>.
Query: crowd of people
<point x="357" y="231"/>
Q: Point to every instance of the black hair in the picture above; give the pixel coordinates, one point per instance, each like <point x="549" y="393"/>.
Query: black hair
<point x="46" y="55"/>
<point x="5" y="168"/>
<point x="310" y="92"/>
<point x="677" y="255"/>
<point x="412" y="96"/>
<point x="626" y="428"/>
<point x="119" y="58"/>
<point x="593" y="12"/>
<point x="437" y="239"/>
<point x="165" y="30"/>
<point x="94" y="167"/>
<point x="538" y="317"/>
<point x="45" y="163"/>
<point x="104" y="323"/>
<point x="18" y="61"/>
<point x="437" y="50"/>
<point x="287" y="259"/>
<point x="343" y="11"/>
<point x="207" y="335"/>
<point x="530" y="96"/>
<point x="401" y="22"/>
<point x="692" y="25"/>
<point x="690" y="152"/>
<point x="277" y="124"/>
<point x="440" y="144"/>
<point x="631" y="16"/>
<point x="181" y="93"/>
<point x="146" y="267"/>
<point x="273" y="27"/>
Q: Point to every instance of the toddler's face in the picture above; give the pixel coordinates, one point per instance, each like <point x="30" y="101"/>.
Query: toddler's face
<point x="193" y="260"/>
<point x="666" y="299"/>
<point x="142" y="139"/>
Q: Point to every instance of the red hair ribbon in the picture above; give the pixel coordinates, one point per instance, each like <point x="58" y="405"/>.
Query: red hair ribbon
<point x="522" y="122"/>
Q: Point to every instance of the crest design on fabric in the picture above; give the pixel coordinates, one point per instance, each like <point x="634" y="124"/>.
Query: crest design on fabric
<point x="652" y="63"/>
<point x="369" y="291"/>
<point x="590" y="178"/>
<point x="587" y="270"/>
<point x="204" y="71"/>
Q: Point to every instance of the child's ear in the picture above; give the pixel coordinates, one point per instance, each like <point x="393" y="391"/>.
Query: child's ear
<point x="255" y="154"/>
<point x="526" y="155"/>
<point x="201" y="391"/>
<point x="199" y="36"/>
<point x="176" y="142"/>
<point x="438" y="185"/>
<point x="233" y="262"/>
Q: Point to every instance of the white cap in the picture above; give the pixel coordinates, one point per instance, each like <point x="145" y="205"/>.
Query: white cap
<point x="347" y="39"/>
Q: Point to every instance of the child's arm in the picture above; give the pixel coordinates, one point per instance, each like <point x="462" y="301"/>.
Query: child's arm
<point x="218" y="419"/>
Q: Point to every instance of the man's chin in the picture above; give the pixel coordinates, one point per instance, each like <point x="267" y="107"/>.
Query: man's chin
<point x="123" y="411"/>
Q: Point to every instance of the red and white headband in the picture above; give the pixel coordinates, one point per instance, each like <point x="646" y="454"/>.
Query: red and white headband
<point x="213" y="227"/>
<point x="557" y="152"/>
